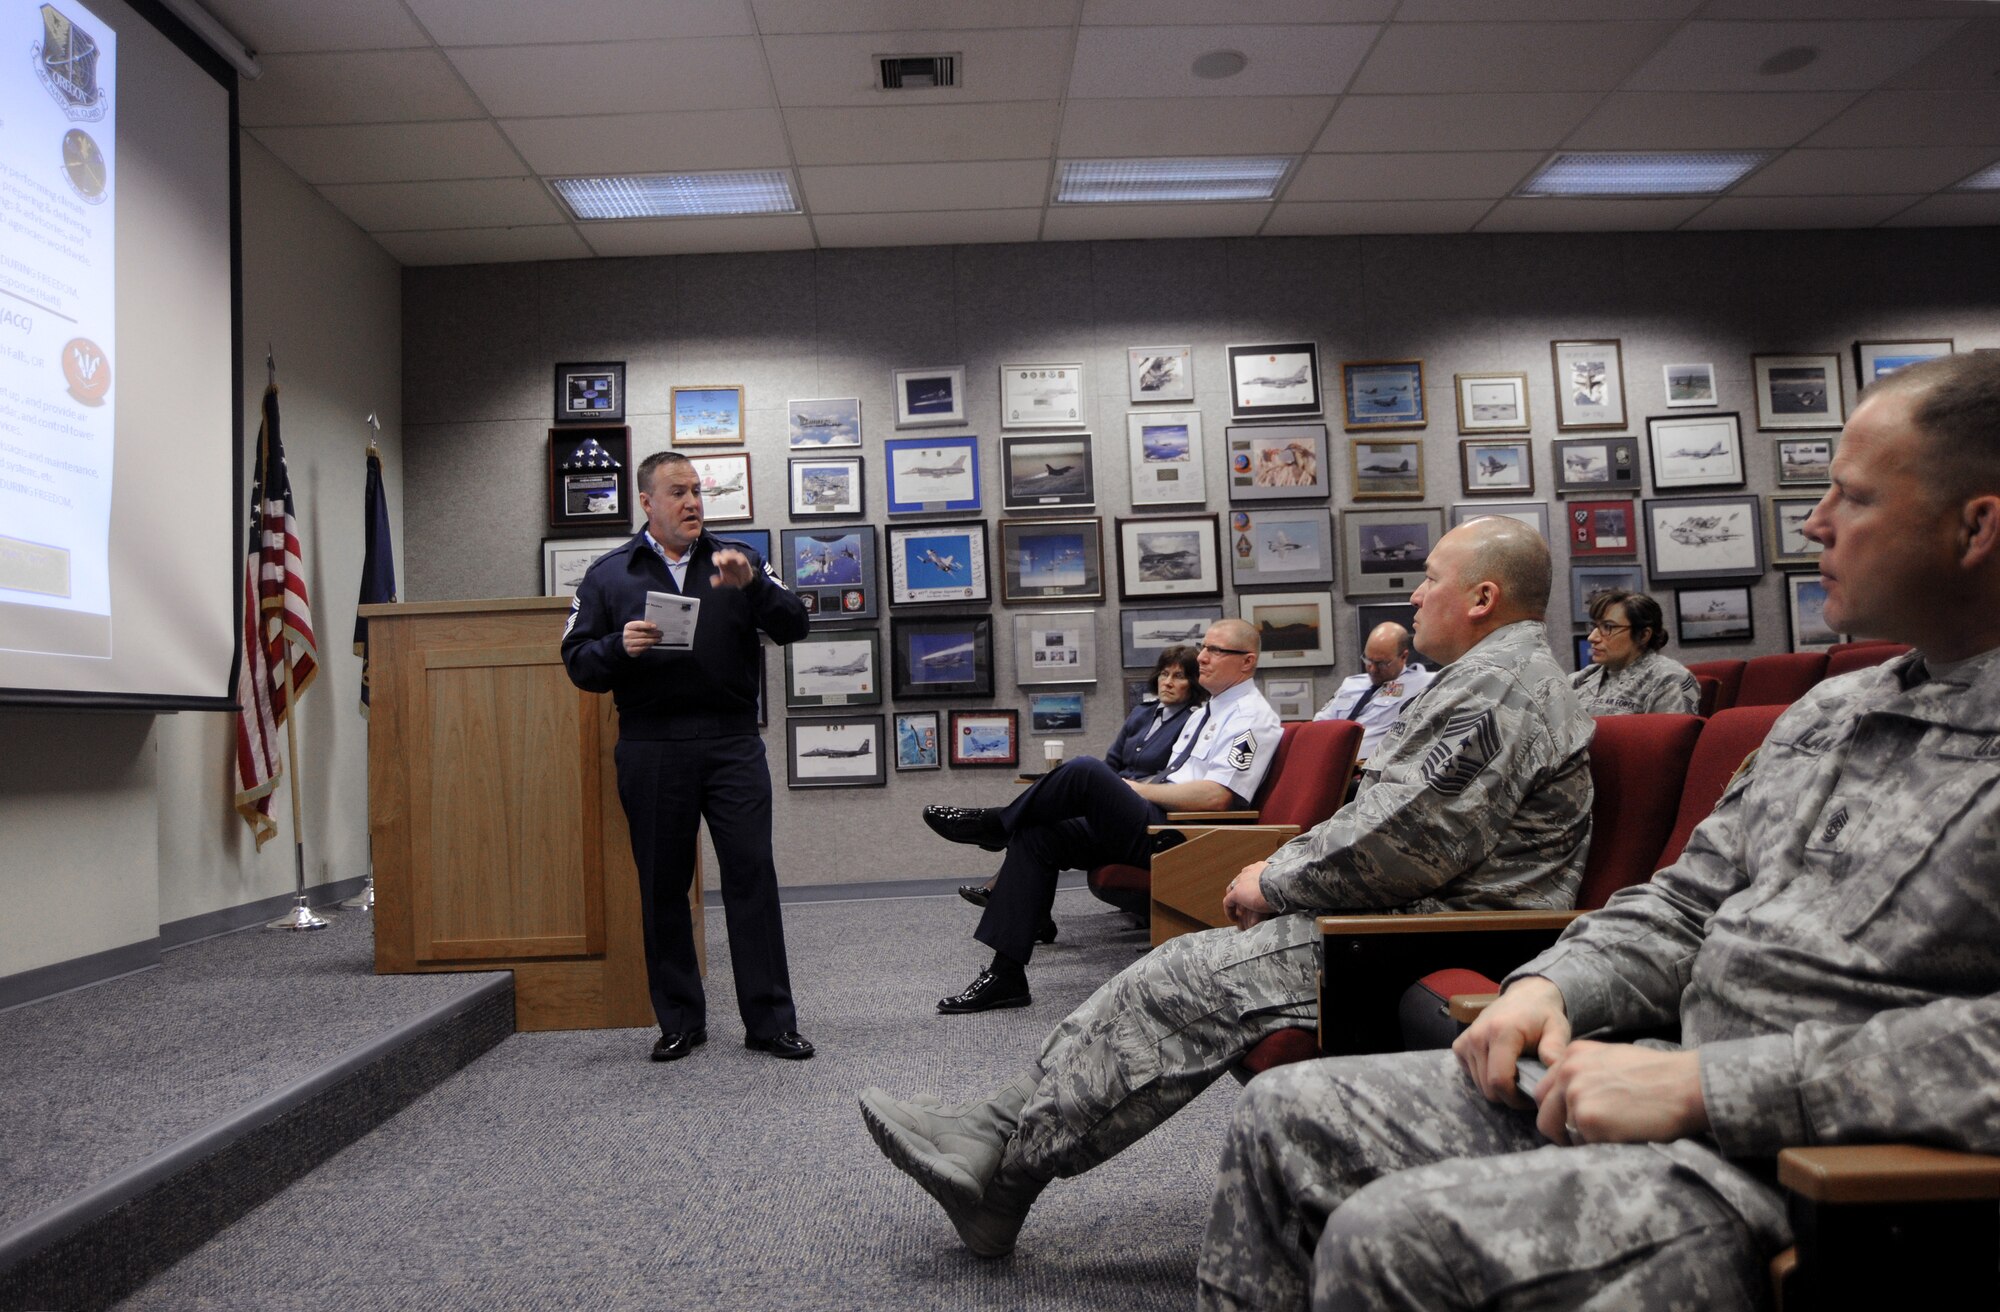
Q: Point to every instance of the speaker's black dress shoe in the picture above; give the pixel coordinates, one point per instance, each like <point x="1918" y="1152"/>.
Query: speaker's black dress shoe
<point x="975" y="893"/>
<point x="989" y="992"/>
<point x="1047" y="933"/>
<point x="674" y="1046"/>
<point x="977" y="825"/>
<point x="791" y="1045"/>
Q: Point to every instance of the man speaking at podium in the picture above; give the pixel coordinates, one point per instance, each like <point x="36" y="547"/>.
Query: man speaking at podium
<point x="688" y="746"/>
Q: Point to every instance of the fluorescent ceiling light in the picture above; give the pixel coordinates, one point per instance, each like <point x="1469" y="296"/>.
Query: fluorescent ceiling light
<point x="1987" y="179"/>
<point x="1679" y="173"/>
<point x="1110" y="181"/>
<point x="679" y="195"/>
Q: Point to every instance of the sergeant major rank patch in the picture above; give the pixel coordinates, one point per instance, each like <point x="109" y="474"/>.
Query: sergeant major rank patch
<point x="1243" y="751"/>
<point x="1470" y="741"/>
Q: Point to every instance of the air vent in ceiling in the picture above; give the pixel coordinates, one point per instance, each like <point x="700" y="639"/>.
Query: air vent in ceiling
<point x="912" y="72"/>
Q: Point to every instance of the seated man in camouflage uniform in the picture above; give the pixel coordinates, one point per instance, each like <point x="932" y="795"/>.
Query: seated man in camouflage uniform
<point x="1829" y="946"/>
<point x="1480" y="797"/>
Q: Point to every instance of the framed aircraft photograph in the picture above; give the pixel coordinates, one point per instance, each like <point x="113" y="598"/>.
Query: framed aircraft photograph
<point x="1166" y="458"/>
<point x="1790" y="546"/>
<point x="835" y="752"/>
<point x="1160" y="373"/>
<point x="1384" y="551"/>
<point x="831" y="570"/>
<point x="1704" y="538"/>
<point x="1535" y="514"/>
<point x="918" y="745"/>
<point x="1496" y="466"/>
<point x="941" y="656"/>
<point x="1586" y="582"/>
<point x="937" y="564"/>
<point x="590" y="393"/>
<point x="1689" y="385"/>
<point x="1047" y="473"/>
<point x="840" y="667"/>
<point x="707" y="416"/>
<point x="819" y="424"/>
<point x="1285" y="547"/>
<point x="1798" y="391"/>
<point x="1383" y="394"/>
<point x="1805" y="613"/>
<point x="1274" y="381"/>
<point x="933" y="474"/>
<point x="565" y="561"/>
<point x="1590" y="384"/>
<point x="1295" y="628"/>
<point x="1055" y="712"/>
<point x="1713" y="615"/>
<point x="1055" y="646"/>
<point x="1602" y="528"/>
<point x="826" y="485"/>
<point x="587" y="478"/>
<point x="929" y="396"/>
<point x="1596" y="464"/>
<point x="1874" y="360"/>
<point x="1041" y="395"/>
<point x="1144" y="634"/>
<point x="1492" y="403"/>
<point x="1291" y="696"/>
<point x="725" y="487"/>
<point x="985" y="737"/>
<point x="1169" y="556"/>
<point x="1804" y="461"/>
<point x="1051" y="560"/>
<point x="1278" y="462"/>
<point x="1691" y="451"/>
<point x="1385" y="469"/>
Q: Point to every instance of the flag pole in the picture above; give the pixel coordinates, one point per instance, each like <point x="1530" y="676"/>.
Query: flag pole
<point x="365" y="899"/>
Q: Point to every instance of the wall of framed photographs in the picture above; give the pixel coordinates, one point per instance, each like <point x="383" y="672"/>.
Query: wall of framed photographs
<point x="1222" y="457"/>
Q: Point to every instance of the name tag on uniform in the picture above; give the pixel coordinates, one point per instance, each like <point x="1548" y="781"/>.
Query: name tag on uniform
<point x="675" y="616"/>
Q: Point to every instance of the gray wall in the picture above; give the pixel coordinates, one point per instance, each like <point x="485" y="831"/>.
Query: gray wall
<point x="481" y="341"/>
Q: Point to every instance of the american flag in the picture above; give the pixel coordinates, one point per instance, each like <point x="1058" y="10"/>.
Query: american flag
<point x="378" y="560"/>
<point x="275" y="612"/>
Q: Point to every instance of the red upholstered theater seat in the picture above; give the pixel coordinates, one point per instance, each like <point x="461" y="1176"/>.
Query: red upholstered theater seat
<point x="1711" y="689"/>
<point x="1851" y="656"/>
<point x="1728" y="676"/>
<point x="1725" y="740"/>
<point x="1637" y="763"/>
<point x="1280" y="1049"/>
<point x="1781" y="679"/>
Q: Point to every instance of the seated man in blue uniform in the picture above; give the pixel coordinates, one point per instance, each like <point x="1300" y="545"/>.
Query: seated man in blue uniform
<point x="1081" y="814"/>
<point x="689" y="750"/>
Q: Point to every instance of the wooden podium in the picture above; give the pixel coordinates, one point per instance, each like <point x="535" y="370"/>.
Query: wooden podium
<point x="499" y="843"/>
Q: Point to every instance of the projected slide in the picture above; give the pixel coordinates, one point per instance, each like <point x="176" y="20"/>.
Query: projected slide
<point x="58" y="339"/>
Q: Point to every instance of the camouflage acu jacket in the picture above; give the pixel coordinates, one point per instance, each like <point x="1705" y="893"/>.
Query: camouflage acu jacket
<point x="1652" y="685"/>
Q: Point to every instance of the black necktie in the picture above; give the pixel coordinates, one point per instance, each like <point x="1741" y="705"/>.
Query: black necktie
<point x="1185" y="752"/>
<point x="1354" y="712"/>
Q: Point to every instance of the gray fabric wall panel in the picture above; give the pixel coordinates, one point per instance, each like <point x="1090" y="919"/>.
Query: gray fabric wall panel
<point x="482" y="342"/>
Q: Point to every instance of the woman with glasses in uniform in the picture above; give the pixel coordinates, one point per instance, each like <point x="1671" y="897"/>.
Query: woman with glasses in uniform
<point x="1627" y="675"/>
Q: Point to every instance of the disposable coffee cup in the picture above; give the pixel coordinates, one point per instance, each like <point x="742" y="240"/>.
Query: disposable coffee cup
<point x="1052" y="752"/>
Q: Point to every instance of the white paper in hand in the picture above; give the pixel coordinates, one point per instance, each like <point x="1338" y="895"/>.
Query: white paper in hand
<point x="675" y="616"/>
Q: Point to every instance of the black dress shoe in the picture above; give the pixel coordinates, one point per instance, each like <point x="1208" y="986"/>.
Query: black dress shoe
<point x="977" y="825"/>
<point x="977" y="894"/>
<point x="679" y="1043"/>
<point x="791" y="1045"/>
<point x="989" y="992"/>
<point x="1047" y="933"/>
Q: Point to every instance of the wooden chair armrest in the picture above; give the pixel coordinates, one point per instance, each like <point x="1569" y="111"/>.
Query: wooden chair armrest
<point x="1188" y="881"/>
<point x="1193" y="831"/>
<point x="1447" y="922"/>
<point x="1213" y="817"/>
<point x="1465" y="1007"/>
<point x="1888" y="1173"/>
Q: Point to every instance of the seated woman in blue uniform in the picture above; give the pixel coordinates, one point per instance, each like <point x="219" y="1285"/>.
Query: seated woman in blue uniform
<point x="1144" y="742"/>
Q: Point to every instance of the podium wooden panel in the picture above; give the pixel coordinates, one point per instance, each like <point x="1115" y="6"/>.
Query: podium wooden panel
<point x="499" y="843"/>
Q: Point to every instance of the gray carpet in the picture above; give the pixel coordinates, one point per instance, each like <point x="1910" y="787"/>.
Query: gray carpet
<point x="566" y="1171"/>
<point x="99" y="1079"/>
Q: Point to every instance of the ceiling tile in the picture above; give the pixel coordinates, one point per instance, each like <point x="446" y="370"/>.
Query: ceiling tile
<point x="1968" y="62"/>
<point x="376" y="86"/>
<point x="393" y="152"/>
<point x="1797" y="212"/>
<point x="786" y="232"/>
<point x="1238" y="13"/>
<point x="1493" y="121"/>
<point x="467" y="203"/>
<point x="1262" y="125"/>
<point x="1018" y="64"/>
<point x="630" y="77"/>
<point x="794" y="17"/>
<point x="1711" y="120"/>
<point x="1520" y="11"/>
<point x="1292" y="219"/>
<point x="1112" y="62"/>
<point x="1725" y="56"/>
<point x="651" y="143"/>
<point x="1459" y="57"/>
<point x="1956" y="209"/>
<point x="1880" y="171"/>
<point x="485" y="245"/>
<point x="1590" y="215"/>
<point x="1114" y="222"/>
<point x="877" y="188"/>
<point x="1445" y="175"/>
<point x="1916" y="118"/>
<point x="271" y="27"/>
<point x="1010" y="129"/>
<point x="938" y="228"/>
<point x="536" y="22"/>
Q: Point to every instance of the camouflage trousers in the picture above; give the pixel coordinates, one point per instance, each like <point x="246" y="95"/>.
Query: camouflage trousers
<point x="1389" y="1182"/>
<point x="1158" y="1033"/>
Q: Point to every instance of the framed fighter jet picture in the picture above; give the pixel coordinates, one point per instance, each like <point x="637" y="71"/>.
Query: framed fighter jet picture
<point x="725" y="487"/>
<point x="1169" y="556"/>
<point x="1496" y="466"/>
<point x="1274" y="380"/>
<point x="1805" y="613"/>
<point x="985" y="737"/>
<point x="933" y="475"/>
<point x="1590" y="384"/>
<point x="1041" y="395"/>
<point x="1046" y="473"/>
<point x="1789" y="545"/>
<point x="917" y="741"/>
<point x="836" y="752"/>
<point x="1144" y="634"/>
<point x="1383" y="394"/>
<point x="1294" y="628"/>
<point x="1596" y="464"/>
<point x="832" y="570"/>
<point x="1799" y="391"/>
<point x="1690" y="451"/>
<point x="929" y="396"/>
<point x="1385" y="469"/>
<point x="1586" y="582"/>
<point x="941" y="656"/>
<point x="1166" y="459"/>
<point x="1492" y="403"/>
<point x="931" y="564"/>
<point x="1160" y="373"/>
<point x="590" y="393"/>
<point x="1292" y="546"/>
<point x="819" y="424"/>
<point x="1384" y="551"/>
<point x="1052" y="559"/>
<point x="1704" y="538"/>
<point x="839" y="667"/>
<point x="826" y="485"/>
